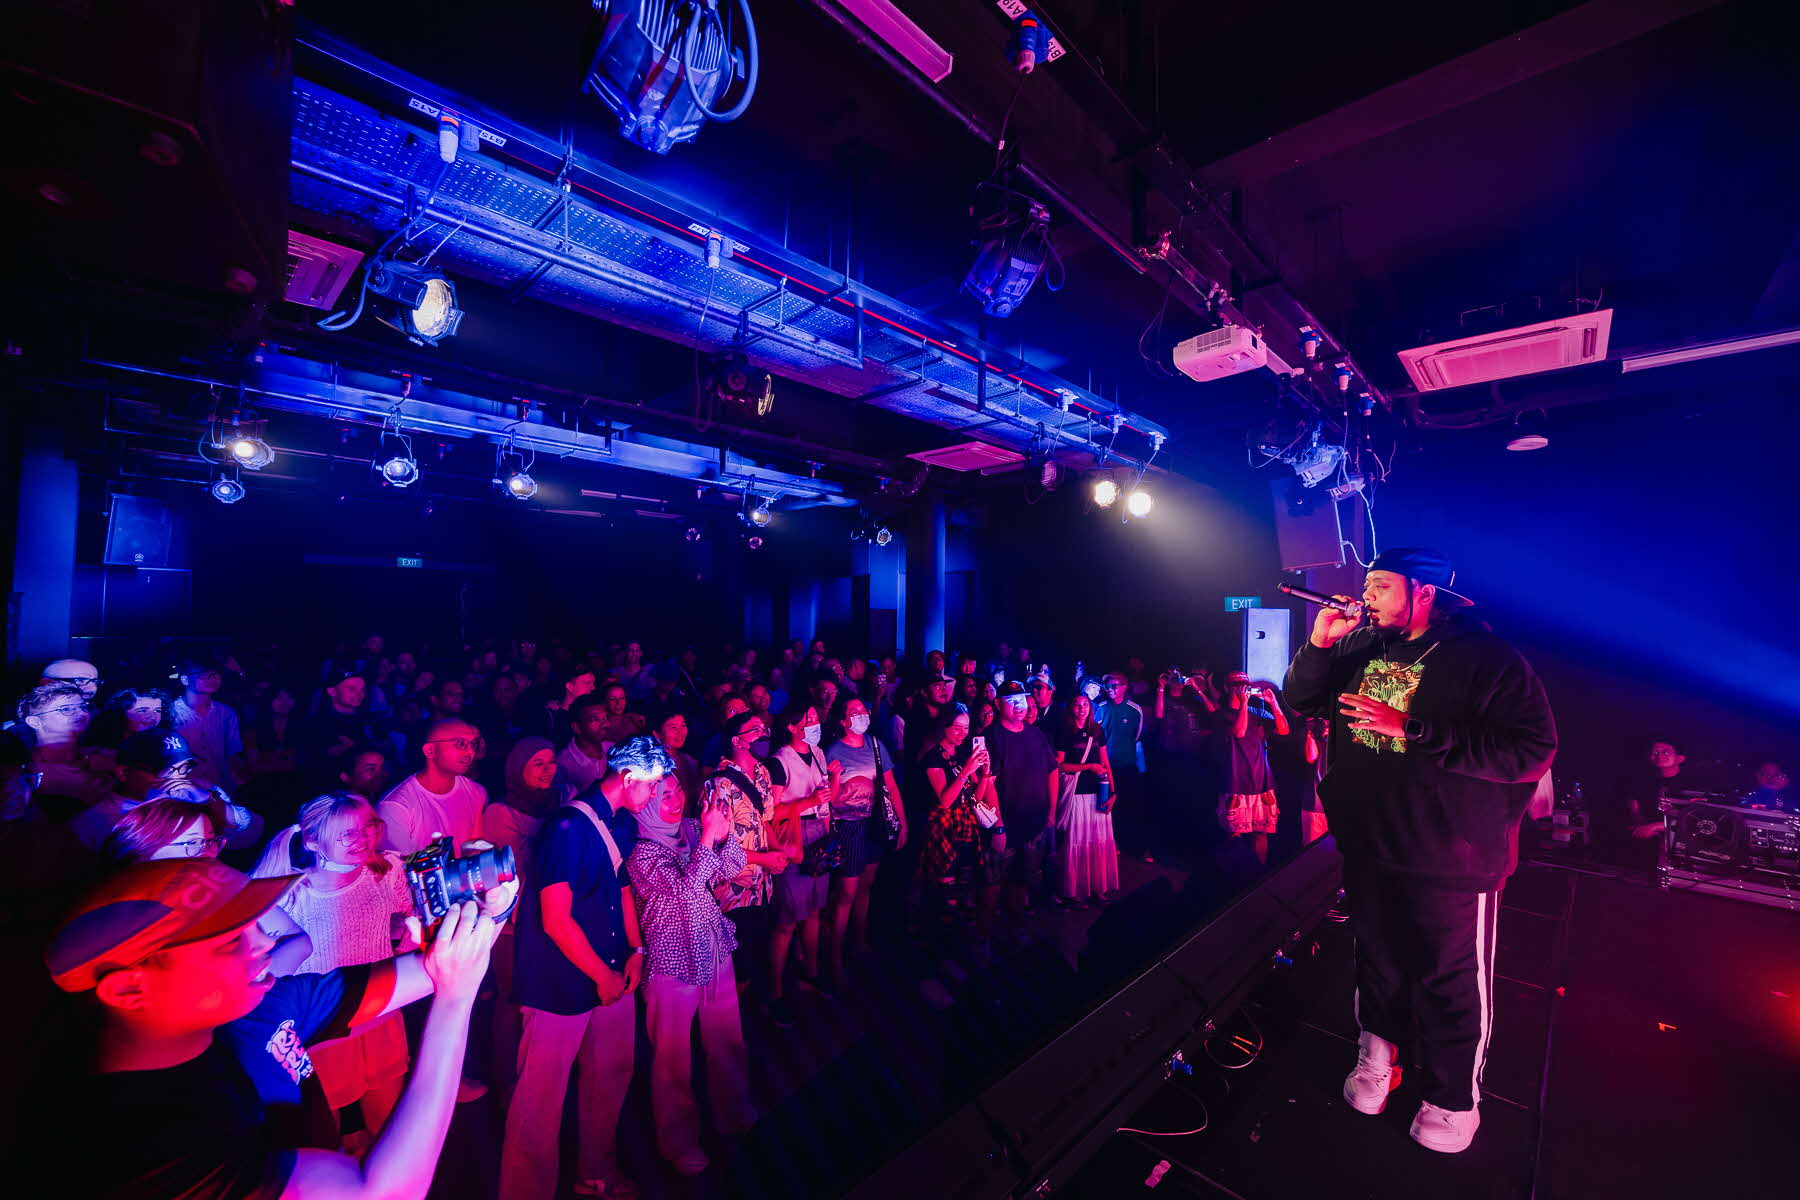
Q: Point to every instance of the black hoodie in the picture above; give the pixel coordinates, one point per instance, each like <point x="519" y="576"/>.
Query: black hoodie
<point x="1443" y="806"/>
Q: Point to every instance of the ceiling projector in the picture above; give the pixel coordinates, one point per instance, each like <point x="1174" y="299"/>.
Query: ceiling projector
<point x="1227" y="350"/>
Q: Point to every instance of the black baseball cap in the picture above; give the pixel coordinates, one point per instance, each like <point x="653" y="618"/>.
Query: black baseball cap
<point x="154" y="750"/>
<point x="1423" y="564"/>
<point x="1011" y="689"/>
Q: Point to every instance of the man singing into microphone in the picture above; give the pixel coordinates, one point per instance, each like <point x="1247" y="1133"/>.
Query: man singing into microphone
<point x="1439" y="733"/>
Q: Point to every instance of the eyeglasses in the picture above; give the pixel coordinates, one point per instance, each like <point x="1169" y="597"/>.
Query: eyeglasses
<point x="477" y="744"/>
<point x="195" y="847"/>
<point x="363" y="834"/>
<point x="62" y="708"/>
<point x="77" y="680"/>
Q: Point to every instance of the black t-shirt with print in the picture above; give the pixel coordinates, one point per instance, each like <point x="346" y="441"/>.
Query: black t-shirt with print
<point x="1083" y="746"/>
<point x="223" y="1125"/>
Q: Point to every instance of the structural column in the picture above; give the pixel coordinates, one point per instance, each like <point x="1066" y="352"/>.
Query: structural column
<point x="43" y="567"/>
<point x="924" y="591"/>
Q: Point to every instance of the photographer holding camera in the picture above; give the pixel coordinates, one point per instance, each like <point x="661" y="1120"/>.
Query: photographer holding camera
<point x="198" y="1070"/>
<point x="1247" y="806"/>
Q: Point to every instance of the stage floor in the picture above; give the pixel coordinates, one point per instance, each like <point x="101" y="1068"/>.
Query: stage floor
<point x="1645" y="1044"/>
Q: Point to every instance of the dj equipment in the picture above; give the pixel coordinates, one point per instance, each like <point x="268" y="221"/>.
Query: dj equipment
<point x="1728" y="839"/>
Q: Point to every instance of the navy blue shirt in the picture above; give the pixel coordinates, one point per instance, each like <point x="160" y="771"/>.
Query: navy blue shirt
<point x="569" y="850"/>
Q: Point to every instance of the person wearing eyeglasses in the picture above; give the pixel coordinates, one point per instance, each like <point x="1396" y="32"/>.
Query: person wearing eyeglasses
<point x="76" y="672"/>
<point x="352" y="901"/>
<point x="57" y="714"/>
<point x="209" y="726"/>
<point x="440" y="798"/>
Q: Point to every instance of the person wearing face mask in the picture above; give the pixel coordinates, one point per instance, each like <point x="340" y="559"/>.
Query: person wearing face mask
<point x="742" y="784"/>
<point x="867" y="792"/>
<point x="1029" y="785"/>
<point x="963" y="858"/>
<point x="352" y="902"/>
<point x="689" y="982"/>
<point x="803" y="809"/>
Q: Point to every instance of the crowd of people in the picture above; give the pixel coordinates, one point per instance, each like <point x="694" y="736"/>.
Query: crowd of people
<point x="712" y="838"/>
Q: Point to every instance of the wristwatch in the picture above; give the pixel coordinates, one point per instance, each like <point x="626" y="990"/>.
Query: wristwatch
<point x="636" y="950"/>
<point x="1414" y="729"/>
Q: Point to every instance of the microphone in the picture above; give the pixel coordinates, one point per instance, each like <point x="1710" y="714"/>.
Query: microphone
<point x="1348" y="607"/>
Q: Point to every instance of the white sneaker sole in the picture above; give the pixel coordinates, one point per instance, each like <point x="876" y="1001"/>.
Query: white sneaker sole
<point x="1443" y="1147"/>
<point x="1350" y="1094"/>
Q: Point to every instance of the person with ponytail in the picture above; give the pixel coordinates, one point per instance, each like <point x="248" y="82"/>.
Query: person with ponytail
<point x="352" y="900"/>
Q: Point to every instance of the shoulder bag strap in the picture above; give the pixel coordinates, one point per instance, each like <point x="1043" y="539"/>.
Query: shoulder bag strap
<point x="612" y="847"/>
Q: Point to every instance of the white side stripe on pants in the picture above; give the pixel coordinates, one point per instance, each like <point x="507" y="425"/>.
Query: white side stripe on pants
<point x="1485" y="906"/>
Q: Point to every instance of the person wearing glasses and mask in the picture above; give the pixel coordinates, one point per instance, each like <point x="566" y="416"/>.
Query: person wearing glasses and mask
<point x="440" y="798"/>
<point x="352" y="902"/>
<point x="210" y="727"/>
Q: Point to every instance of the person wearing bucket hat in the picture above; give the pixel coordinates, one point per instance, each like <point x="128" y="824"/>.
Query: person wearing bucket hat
<point x="200" y="1074"/>
<point x="1439" y="731"/>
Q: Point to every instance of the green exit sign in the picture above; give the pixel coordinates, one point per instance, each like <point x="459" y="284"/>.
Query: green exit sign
<point x="406" y="560"/>
<point x="1239" y="603"/>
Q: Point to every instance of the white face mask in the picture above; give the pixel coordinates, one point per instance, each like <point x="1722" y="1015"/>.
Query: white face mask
<point x="812" y="734"/>
<point x="1092" y="690"/>
<point x="338" y="868"/>
<point x="859" y="724"/>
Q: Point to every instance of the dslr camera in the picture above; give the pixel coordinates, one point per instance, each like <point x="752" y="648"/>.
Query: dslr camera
<point x="439" y="880"/>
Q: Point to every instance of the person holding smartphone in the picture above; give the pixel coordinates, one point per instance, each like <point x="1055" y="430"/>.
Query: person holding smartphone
<point x="1247" y="804"/>
<point x="677" y="862"/>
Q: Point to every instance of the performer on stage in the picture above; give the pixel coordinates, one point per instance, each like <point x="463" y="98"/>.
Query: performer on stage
<point x="1440" y="730"/>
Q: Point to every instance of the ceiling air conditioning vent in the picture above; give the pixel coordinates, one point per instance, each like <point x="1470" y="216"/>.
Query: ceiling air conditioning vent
<point x="317" y="270"/>
<point x="1527" y="350"/>
<point x="970" y="456"/>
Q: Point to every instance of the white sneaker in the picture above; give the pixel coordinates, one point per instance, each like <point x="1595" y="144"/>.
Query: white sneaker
<point x="1366" y="1088"/>
<point x="1445" y="1130"/>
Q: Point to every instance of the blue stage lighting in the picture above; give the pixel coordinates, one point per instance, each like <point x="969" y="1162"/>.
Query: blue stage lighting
<point x="664" y="66"/>
<point x="226" y="490"/>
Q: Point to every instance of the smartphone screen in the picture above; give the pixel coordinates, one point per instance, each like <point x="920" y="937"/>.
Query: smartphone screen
<point x="979" y="742"/>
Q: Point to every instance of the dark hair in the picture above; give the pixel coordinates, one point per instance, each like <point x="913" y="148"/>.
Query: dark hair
<point x="586" y="701"/>
<point x="794" y="716"/>
<point x="153" y="824"/>
<point x="111" y="726"/>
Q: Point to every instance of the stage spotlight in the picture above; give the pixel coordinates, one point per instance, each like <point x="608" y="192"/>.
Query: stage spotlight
<point x="226" y="490"/>
<point x="762" y="514"/>
<point x="521" y="486"/>
<point x="247" y="450"/>
<point x="402" y="470"/>
<point x="755" y="543"/>
<point x="1050" y="474"/>
<point x="1106" y="492"/>
<point x="424" y="300"/>
<point x="1139" y="503"/>
<point x="883" y="535"/>
<point x="693" y="533"/>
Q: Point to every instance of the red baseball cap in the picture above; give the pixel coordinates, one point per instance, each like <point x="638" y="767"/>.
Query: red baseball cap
<point x="147" y="907"/>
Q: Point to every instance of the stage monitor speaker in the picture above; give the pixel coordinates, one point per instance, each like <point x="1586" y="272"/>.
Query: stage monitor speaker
<point x="143" y="532"/>
<point x="147" y="140"/>
<point x="1306" y="526"/>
